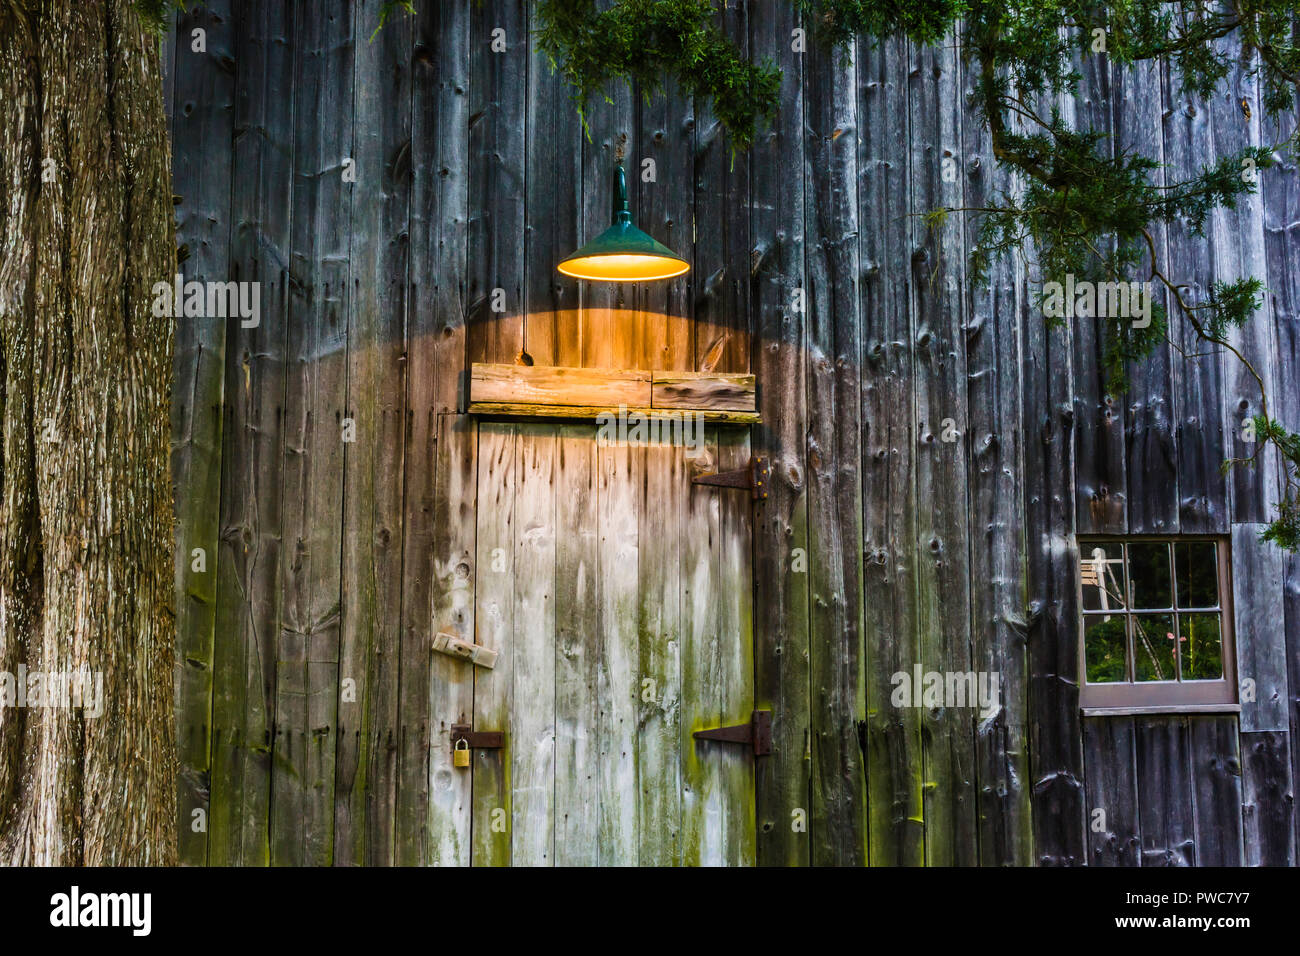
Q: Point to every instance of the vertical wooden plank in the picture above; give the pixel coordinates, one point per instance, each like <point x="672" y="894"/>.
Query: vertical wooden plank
<point x="835" y="533"/>
<point x="249" y="565"/>
<point x="302" y="797"/>
<point x="1055" y="737"/>
<point x="1151" y="452"/>
<point x="621" y="469"/>
<point x="937" y="340"/>
<point x="1258" y="613"/>
<point x="781" y="630"/>
<point x="1268" y="799"/>
<point x="722" y="263"/>
<point x="531" y="738"/>
<point x="494" y="627"/>
<point x="608" y="330"/>
<point x="658" y="764"/>
<point x="1114" y="837"/>
<point x="717" y="668"/>
<point x="366" y="770"/>
<point x="1198" y="378"/>
<point x="1237" y="248"/>
<point x="894" y="773"/>
<point x="1281" y="200"/>
<point x="433" y="824"/>
<point x="497" y="187"/>
<point x="577" y="650"/>
<point x="665" y="208"/>
<point x="1216" y="791"/>
<point x="553" y="158"/>
<point x="437" y="801"/>
<point x="202" y="115"/>
<point x="1165" y="791"/>
<point x="995" y="479"/>
<point x="1101" y="480"/>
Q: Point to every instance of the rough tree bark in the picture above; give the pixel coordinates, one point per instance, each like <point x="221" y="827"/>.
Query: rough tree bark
<point x="85" y="375"/>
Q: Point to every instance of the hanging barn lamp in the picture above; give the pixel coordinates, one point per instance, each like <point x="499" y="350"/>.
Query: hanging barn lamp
<point x="623" y="253"/>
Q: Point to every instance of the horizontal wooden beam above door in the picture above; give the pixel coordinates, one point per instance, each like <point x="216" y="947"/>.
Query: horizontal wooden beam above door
<point x="522" y="391"/>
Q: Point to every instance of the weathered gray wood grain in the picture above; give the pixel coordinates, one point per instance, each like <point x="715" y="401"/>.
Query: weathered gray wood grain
<point x="894" y="771"/>
<point x="1164" y="785"/>
<point x="938" y="344"/>
<point x="1259" y="627"/>
<point x="1109" y="747"/>
<point x="781" y="612"/>
<point x="202" y="115"/>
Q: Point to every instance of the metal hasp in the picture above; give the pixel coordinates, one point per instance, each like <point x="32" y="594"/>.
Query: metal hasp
<point x="757" y="733"/>
<point x="754" y="477"/>
<point x="477" y="740"/>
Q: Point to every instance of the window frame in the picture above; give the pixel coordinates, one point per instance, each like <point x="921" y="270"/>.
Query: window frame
<point x="1159" y="697"/>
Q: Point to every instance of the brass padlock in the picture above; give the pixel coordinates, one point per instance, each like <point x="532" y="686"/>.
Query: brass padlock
<point x="460" y="753"/>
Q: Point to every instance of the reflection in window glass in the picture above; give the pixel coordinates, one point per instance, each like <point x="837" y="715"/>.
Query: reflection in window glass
<point x="1148" y="573"/>
<point x="1154" y="644"/>
<point x="1201" y="645"/>
<point x="1105" y="645"/>
<point x="1196" y="566"/>
<point x="1101" y="569"/>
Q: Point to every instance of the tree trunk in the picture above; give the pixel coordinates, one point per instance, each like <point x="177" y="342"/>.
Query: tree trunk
<point x="86" y="525"/>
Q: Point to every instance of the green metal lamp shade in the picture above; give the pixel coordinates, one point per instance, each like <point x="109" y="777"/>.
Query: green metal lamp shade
<point x="623" y="253"/>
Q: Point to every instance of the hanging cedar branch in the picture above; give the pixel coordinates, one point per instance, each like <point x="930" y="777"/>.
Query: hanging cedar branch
<point x="1084" y="209"/>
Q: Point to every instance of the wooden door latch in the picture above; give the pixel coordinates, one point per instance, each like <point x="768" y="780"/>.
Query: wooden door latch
<point x="753" y="476"/>
<point x="465" y="650"/>
<point x="477" y="739"/>
<point x="757" y="733"/>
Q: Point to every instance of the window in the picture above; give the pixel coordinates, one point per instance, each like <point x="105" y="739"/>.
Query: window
<point x="1156" y="630"/>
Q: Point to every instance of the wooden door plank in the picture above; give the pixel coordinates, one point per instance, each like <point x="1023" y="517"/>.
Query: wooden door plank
<point x="938" y="342"/>
<point x="1110" y="763"/>
<point x="531" y="735"/>
<point x="494" y="627"/>
<point x="658" y="765"/>
<point x="577" y="649"/>
<point x="210" y="675"/>
<point x="781" y="630"/>
<point x="621" y="468"/>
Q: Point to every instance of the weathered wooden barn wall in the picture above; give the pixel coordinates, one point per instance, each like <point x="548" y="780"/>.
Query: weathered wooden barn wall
<point x="882" y="546"/>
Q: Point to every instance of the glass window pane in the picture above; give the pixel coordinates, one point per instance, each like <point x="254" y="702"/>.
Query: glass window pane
<point x="1196" y="565"/>
<point x="1105" y="644"/>
<point x="1101" y="571"/>
<point x="1153" y="647"/>
<point x="1201" y="645"/>
<point x="1148" y="573"/>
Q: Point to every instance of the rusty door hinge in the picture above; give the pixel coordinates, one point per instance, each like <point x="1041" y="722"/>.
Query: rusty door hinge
<point x="753" y="476"/>
<point x="757" y="733"/>
<point x="477" y="740"/>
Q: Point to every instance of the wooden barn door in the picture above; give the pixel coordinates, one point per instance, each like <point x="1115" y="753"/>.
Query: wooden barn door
<point x="619" y="597"/>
